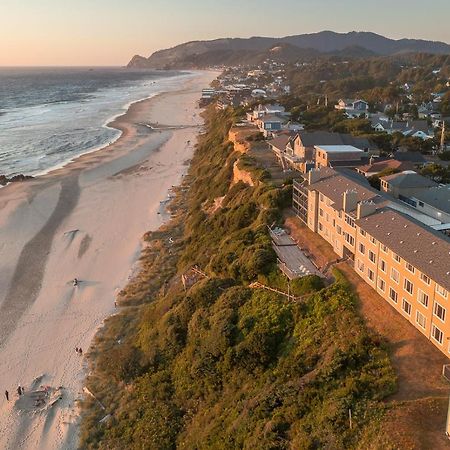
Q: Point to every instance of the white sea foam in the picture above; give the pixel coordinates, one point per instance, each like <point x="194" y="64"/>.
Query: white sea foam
<point x="37" y="139"/>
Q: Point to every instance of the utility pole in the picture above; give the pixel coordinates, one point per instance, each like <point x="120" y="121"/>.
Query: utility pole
<point x="442" y="148"/>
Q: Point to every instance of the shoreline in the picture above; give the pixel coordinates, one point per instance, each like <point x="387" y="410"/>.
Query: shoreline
<point x="181" y="77"/>
<point x="81" y="226"/>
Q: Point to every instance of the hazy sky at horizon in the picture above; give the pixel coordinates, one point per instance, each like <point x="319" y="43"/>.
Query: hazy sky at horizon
<point x="110" y="32"/>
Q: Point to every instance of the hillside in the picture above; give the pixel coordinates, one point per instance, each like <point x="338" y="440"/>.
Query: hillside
<point x="257" y="49"/>
<point x="221" y="365"/>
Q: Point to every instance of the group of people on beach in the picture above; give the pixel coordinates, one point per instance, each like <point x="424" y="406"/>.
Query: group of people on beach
<point x="20" y="392"/>
<point x="79" y="351"/>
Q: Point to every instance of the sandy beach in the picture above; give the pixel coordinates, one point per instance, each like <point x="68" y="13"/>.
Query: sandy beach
<point x="84" y="220"/>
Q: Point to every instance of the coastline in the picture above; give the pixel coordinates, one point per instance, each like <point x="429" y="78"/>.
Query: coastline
<point x="109" y="123"/>
<point x="89" y="214"/>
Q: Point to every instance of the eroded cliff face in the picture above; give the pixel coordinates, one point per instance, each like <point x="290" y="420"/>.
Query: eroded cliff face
<point x="237" y="137"/>
<point x="241" y="175"/>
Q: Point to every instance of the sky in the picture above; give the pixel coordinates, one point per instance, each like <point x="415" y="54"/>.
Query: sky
<point x="110" y="32"/>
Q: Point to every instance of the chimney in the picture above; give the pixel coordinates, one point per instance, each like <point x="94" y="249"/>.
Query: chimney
<point x="313" y="176"/>
<point x="365" y="209"/>
<point x="350" y="201"/>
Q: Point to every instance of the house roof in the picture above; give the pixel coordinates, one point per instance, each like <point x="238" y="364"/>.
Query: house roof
<point x="379" y="166"/>
<point x="280" y="142"/>
<point x="419" y="125"/>
<point x="409" y="179"/>
<point x="414" y="157"/>
<point x="424" y="248"/>
<point x="438" y="197"/>
<point x="312" y="138"/>
<point x="272" y="118"/>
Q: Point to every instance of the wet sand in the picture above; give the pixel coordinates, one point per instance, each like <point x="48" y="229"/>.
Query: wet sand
<point x="84" y="220"/>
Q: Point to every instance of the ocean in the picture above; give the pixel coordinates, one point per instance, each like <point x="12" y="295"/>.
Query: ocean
<point x="48" y="116"/>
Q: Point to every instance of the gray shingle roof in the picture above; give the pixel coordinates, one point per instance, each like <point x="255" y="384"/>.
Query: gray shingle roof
<point x="409" y="179"/>
<point x="335" y="184"/>
<point x="312" y="138"/>
<point x="424" y="248"/>
<point x="438" y="197"/>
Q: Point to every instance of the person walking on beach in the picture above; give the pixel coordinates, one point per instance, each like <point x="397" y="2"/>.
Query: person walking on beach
<point x="19" y="390"/>
<point x="80" y="351"/>
<point x="7" y="396"/>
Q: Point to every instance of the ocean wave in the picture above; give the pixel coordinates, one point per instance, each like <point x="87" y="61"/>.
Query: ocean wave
<point x="37" y="138"/>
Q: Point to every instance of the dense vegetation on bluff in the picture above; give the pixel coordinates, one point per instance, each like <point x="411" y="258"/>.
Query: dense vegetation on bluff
<point x="220" y="365"/>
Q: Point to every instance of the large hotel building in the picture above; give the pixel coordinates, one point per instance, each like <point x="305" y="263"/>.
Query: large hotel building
<point x="391" y="246"/>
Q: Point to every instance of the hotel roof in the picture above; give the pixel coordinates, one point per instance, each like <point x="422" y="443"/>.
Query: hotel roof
<point x="424" y="248"/>
<point x="335" y="184"/>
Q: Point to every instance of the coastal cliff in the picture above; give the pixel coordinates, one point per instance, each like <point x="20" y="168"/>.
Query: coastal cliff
<point x="199" y="358"/>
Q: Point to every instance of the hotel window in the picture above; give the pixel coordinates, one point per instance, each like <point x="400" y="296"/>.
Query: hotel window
<point x="410" y="267"/>
<point x="383" y="266"/>
<point x="372" y="256"/>
<point x="395" y="275"/>
<point x="320" y="212"/>
<point x="370" y="275"/>
<point x="440" y="290"/>
<point x="320" y="226"/>
<point x="321" y="195"/>
<point x="406" y="306"/>
<point x="423" y="298"/>
<point x="393" y="295"/>
<point x="424" y="278"/>
<point x="360" y="265"/>
<point x="383" y="248"/>
<point x="339" y="230"/>
<point x="439" y="311"/>
<point x="362" y="249"/>
<point x="396" y="257"/>
<point x="421" y="319"/>
<point x="408" y="286"/>
<point x="437" y="334"/>
<point x="350" y="220"/>
<point x="362" y="232"/>
<point x="349" y="239"/>
<point x="382" y="285"/>
<point x="373" y="240"/>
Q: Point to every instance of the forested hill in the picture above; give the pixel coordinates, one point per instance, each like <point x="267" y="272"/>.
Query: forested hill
<point x="287" y="49"/>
